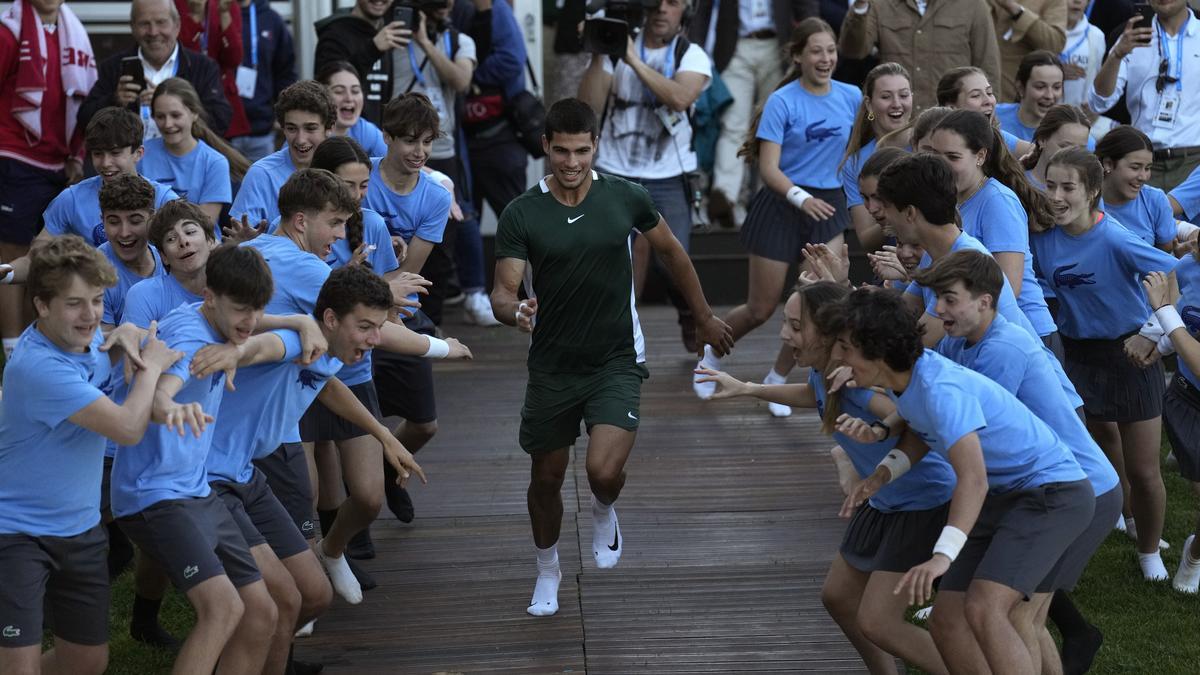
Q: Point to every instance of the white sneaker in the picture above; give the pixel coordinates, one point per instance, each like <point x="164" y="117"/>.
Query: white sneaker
<point x="343" y="580"/>
<point x="307" y="629"/>
<point x="477" y="309"/>
<point x="1187" y="577"/>
<point x="923" y="613"/>
<point x="779" y="410"/>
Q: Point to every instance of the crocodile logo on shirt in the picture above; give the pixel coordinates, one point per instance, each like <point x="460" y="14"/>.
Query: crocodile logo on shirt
<point x="1063" y="278"/>
<point x="190" y="571"/>
<point x="818" y="133"/>
<point x="308" y="379"/>
<point x="1191" y="318"/>
<point x="11" y="632"/>
<point x="98" y="235"/>
<point x="216" y="381"/>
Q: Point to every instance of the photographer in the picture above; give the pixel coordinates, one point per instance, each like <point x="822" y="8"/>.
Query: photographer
<point x="364" y="37"/>
<point x="645" y="133"/>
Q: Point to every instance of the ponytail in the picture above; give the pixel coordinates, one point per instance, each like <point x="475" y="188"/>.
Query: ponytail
<point x="330" y="155"/>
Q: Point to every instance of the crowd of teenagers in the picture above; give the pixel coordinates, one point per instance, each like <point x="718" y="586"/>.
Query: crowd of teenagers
<point x="204" y="329"/>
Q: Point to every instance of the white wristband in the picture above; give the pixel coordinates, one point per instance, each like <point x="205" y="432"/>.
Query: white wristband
<point x="1165" y="346"/>
<point x="438" y="348"/>
<point x="9" y="275"/>
<point x="897" y="463"/>
<point x="951" y="542"/>
<point x="797" y="196"/>
<point x="1169" y="318"/>
<point x="1151" y="330"/>
<point x="1184" y="229"/>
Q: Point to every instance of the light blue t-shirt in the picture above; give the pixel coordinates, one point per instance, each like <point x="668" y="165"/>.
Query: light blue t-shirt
<point x="258" y="197"/>
<point x="1097" y="278"/>
<point x="995" y="217"/>
<point x="945" y="401"/>
<point x="928" y="485"/>
<point x="201" y="176"/>
<point x="1013" y="359"/>
<point x="299" y="275"/>
<point x="115" y="296"/>
<point x="1010" y="141"/>
<point x="166" y="465"/>
<point x="422" y="213"/>
<point x="277" y="394"/>
<point x="1187" y="274"/>
<point x="154" y="298"/>
<point x="850" y="171"/>
<point x="50" y="468"/>
<point x="1187" y="194"/>
<point x="76" y="210"/>
<point x="369" y="137"/>
<point x="812" y="131"/>
<point x="1148" y="215"/>
<point x="383" y="260"/>
<point x="1010" y="121"/>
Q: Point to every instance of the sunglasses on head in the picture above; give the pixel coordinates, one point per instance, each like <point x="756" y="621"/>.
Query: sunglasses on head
<point x="1163" y="78"/>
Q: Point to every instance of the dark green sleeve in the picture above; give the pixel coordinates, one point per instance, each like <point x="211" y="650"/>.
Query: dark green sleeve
<point x="511" y="241"/>
<point x="645" y="215"/>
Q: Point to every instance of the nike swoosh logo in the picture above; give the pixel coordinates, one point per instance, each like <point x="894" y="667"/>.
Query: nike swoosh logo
<point x="631" y="416"/>
<point x="616" y="541"/>
<point x="571" y="220"/>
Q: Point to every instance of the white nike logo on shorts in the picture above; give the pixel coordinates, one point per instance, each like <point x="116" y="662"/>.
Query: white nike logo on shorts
<point x="571" y="220"/>
<point x="631" y="416"/>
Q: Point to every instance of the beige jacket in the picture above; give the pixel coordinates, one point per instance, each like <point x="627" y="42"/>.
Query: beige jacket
<point x="1043" y="25"/>
<point x="952" y="33"/>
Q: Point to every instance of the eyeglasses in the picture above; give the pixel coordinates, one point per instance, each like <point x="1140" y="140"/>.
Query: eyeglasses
<point x="1163" y="78"/>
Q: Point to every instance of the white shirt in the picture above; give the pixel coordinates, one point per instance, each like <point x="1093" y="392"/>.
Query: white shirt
<point x="634" y="141"/>
<point x="1136" y="80"/>
<point x="1084" y="48"/>
<point x="753" y="16"/>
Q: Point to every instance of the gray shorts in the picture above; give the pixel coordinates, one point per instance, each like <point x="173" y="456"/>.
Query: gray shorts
<point x="260" y="516"/>
<point x="1021" y="535"/>
<point x="286" y="471"/>
<point x="61" y="581"/>
<point x="1074" y="560"/>
<point x="194" y="540"/>
<point x="897" y="541"/>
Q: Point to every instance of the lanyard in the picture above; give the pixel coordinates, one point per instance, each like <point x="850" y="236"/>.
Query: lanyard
<point x="1065" y="56"/>
<point x="1088" y="12"/>
<point x="669" y="65"/>
<point x="1165" y="48"/>
<point x="253" y="35"/>
<point x="412" y="59"/>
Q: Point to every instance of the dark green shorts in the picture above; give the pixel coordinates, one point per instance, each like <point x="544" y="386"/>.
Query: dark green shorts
<point x="555" y="403"/>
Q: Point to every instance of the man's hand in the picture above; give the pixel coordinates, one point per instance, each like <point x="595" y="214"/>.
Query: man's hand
<point x="728" y="386"/>
<point x="715" y="333"/>
<point x="214" y="358"/>
<point x="360" y="254"/>
<point x="73" y="170"/>
<point x="420" y="36"/>
<point x="918" y="582"/>
<point x="312" y="341"/>
<point x="863" y="490"/>
<point x="839" y="377"/>
<point x="1073" y="71"/>
<point x="239" y="231"/>
<point x="128" y="338"/>
<point x="183" y="416"/>
<point x="402" y="461"/>
<point x="827" y="265"/>
<point x="127" y="91"/>
<point x="631" y="57"/>
<point x="400" y="247"/>
<point x="147" y="96"/>
<point x="1158" y="290"/>
<point x="1141" y="350"/>
<point x="404" y="285"/>
<point x="392" y="36"/>
<point x="858" y="429"/>
<point x="887" y="266"/>
<point x="1132" y="38"/>
<point x="525" y="313"/>
<point x="458" y="350"/>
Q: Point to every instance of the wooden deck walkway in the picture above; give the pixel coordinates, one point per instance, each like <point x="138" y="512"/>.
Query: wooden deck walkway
<point x="729" y="518"/>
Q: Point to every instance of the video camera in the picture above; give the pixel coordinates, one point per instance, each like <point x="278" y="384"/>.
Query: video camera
<point x="622" y="20"/>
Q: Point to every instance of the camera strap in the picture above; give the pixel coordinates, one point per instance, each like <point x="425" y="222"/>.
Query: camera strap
<point x="418" y="76"/>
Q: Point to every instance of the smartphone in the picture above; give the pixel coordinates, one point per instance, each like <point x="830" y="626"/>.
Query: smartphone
<point x="405" y="14"/>
<point x="1146" y="12"/>
<point x="132" y="66"/>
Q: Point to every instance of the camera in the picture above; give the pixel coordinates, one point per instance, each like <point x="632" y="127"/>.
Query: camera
<point x="622" y="20"/>
<point x="405" y="11"/>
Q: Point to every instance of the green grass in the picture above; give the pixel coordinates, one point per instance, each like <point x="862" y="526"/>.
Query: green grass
<point x="129" y="657"/>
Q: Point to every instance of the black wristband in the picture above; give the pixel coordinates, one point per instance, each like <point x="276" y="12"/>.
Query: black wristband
<point x="880" y="424"/>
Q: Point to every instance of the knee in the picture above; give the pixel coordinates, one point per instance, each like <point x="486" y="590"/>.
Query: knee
<point x="979" y="613"/>
<point x="423" y="432"/>
<point x="874" y="626"/>
<point x="838" y="605"/>
<point x="760" y="312"/>
<point x="96" y="663"/>
<point x="315" y="598"/>
<point x="288" y="602"/>
<point x="369" y="501"/>
<point x="223" y="608"/>
<point x="543" y="485"/>
<point x="261" y="615"/>
<point x="604" y="476"/>
<point x="942" y="626"/>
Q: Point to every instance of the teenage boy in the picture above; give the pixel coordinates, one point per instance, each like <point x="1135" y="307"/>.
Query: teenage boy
<point x="1019" y="493"/>
<point x="306" y="113"/>
<point x="52" y="547"/>
<point x="160" y="495"/>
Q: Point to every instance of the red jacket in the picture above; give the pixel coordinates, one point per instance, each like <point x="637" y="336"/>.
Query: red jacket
<point x="225" y="49"/>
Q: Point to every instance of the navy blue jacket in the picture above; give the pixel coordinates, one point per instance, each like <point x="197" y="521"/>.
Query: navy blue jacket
<point x="276" y="64"/>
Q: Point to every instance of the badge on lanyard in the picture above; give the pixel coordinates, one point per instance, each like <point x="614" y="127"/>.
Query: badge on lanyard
<point x="247" y="78"/>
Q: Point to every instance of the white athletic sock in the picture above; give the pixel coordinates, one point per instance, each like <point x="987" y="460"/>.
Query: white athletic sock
<point x="340" y="576"/>
<point x="9" y="345"/>
<point x="606" y="535"/>
<point x="307" y="629"/>
<point x="1131" y="528"/>
<point x="545" y="590"/>
<point x="705" y="390"/>
<point x="1152" y="566"/>
<point x="777" y="409"/>
<point x="1187" y="577"/>
<point x="1120" y="523"/>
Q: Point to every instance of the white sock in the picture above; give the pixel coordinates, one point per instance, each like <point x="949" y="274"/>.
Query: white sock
<point x="705" y="390"/>
<point x="9" y="345"/>
<point x="606" y="534"/>
<point x="1152" y="566"/>
<point x="307" y="629"/>
<point x="545" y="590"/>
<point x="343" y="580"/>
<point x="1120" y="523"/>
<point x="777" y="409"/>
<point x="1187" y="577"/>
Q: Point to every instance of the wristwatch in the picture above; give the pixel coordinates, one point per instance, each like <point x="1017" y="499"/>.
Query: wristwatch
<point x="880" y="424"/>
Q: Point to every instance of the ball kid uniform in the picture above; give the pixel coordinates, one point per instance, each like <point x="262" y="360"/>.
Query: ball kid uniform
<point x="1187" y="194"/>
<point x="76" y="210"/>
<point x="200" y="176"/>
<point x="587" y="355"/>
<point x="53" y="550"/>
<point x="369" y="137"/>
<point x="1011" y="357"/>
<point x="896" y="528"/>
<point x="160" y="497"/>
<point x="258" y="197"/>
<point x="1181" y="405"/>
<point x="1097" y="278"/>
<point x="1010" y="121"/>
<point x="1148" y="215"/>
<point x="1039" y="499"/>
<point x="812" y="132"/>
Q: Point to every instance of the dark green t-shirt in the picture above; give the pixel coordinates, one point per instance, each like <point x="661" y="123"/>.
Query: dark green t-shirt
<point x="582" y="273"/>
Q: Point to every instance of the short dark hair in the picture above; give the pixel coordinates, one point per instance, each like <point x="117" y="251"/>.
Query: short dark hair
<point x="880" y="160"/>
<point x="571" y="116"/>
<point x="881" y="325"/>
<point x="923" y="181"/>
<point x="53" y="261"/>
<point x="126" y="192"/>
<point x="410" y="114"/>
<point x="240" y="274"/>
<point x="312" y="191"/>
<point x="113" y="128"/>
<point x="174" y="212"/>
<point x="350" y="286"/>
<point x="979" y="272"/>
<point x="307" y="96"/>
<point x="1034" y="59"/>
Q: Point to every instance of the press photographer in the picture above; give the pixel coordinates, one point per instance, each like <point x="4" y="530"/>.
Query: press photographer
<point x="643" y="93"/>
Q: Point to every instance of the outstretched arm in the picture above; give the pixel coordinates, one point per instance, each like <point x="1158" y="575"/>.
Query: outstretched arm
<point x="710" y="329"/>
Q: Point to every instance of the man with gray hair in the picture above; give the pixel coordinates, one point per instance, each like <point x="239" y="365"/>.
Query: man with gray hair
<point x="155" y="27"/>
